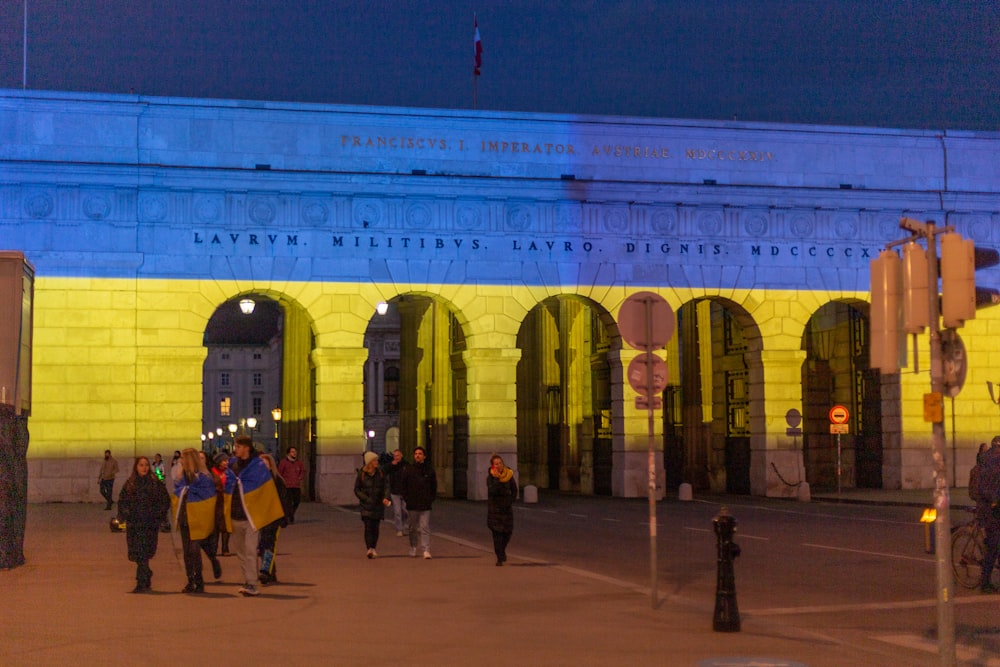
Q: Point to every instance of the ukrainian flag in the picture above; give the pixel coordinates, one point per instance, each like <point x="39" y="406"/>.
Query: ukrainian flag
<point x="198" y="500"/>
<point x="260" y="495"/>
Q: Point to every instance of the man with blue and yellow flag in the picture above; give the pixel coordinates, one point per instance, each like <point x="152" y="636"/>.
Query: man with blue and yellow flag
<point x="252" y="502"/>
<point x="193" y="504"/>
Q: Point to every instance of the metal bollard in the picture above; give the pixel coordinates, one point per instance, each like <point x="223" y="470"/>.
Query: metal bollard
<point x="928" y="518"/>
<point x="727" y="613"/>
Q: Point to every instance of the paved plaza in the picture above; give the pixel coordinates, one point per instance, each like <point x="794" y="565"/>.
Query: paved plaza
<point x="70" y="605"/>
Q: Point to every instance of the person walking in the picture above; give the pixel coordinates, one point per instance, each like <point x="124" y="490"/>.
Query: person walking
<point x="501" y="492"/>
<point x="293" y="473"/>
<point x="419" y="491"/>
<point x="252" y="502"/>
<point x="106" y="478"/>
<point x="373" y="495"/>
<point x="267" y="542"/>
<point x="143" y="505"/>
<point x="210" y="545"/>
<point x="989" y="501"/>
<point x="395" y="475"/>
<point x="219" y="466"/>
<point x="194" y="500"/>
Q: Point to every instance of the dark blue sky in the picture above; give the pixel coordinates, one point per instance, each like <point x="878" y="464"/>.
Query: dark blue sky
<point x="890" y="63"/>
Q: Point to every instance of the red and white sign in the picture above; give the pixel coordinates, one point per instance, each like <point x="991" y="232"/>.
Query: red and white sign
<point x="839" y="415"/>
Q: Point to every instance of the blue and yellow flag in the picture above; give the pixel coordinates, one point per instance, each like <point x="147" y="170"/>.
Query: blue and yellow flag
<point x="261" y="502"/>
<point x="198" y="501"/>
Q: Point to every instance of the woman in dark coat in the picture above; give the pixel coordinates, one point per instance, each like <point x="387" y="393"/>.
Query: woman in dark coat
<point x="143" y="505"/>
<point x="501" y="488"/>
<point x="372" y="490"/>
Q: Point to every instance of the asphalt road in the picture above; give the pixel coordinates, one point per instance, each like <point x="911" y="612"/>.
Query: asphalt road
<point x="857" y="572"/>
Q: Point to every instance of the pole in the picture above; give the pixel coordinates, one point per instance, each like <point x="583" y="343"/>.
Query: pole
<point x="838" y="466"/>
<point x="24" y="52"/>
<point x="652" y="456"/>
<point x="942" y="526"/>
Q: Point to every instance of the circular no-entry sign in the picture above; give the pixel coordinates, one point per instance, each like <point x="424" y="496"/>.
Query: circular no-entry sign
<point x="839" y="415"/>
<point x="646" y="321"/>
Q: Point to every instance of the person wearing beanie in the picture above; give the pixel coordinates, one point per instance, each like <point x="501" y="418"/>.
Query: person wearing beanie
<point x="501" y="490"/>
<point x="419" y="490"/>
<point x="373" y="495"/>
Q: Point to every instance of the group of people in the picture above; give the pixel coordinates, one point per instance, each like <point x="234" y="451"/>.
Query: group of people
<point x="410" y="489"/>
<point x="984" y="489"/>
<point x="240" y="500"/>
<point x="246" y="499"/>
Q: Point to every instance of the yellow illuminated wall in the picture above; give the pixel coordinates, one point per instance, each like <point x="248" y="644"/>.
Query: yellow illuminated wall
<point x="118" y="364"/>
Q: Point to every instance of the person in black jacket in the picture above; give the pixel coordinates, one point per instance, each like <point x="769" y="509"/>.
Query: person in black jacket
<point x="395" y="473"/>
<point x="501" y="492"/>
<point x="143" y="505"/>
<point x="373" y="495"/>
<point x="419" y="490"/>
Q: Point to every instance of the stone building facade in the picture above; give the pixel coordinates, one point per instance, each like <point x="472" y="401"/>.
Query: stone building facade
<point x="506" y="243"/>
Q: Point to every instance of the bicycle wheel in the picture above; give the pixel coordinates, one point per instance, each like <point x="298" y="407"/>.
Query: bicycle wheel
<point x="967" y="557"/>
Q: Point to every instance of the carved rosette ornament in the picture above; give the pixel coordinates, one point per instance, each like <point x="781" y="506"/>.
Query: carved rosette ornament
<point x="418" y="216"/>
<point x="802" y="226"/>
<point x="38" y="205"/>
<point x="518" y="218"/>
<point x="467" y="217"/>
<point x="664" y="222"/>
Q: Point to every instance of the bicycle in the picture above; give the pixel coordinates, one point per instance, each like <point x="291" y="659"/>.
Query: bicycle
<point x="967" y="555"/>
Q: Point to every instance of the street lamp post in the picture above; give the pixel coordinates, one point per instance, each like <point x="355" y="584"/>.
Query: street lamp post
<point x="251" y="424"/>
<point x="276" y="416"/>
<point x="232" y="433"/>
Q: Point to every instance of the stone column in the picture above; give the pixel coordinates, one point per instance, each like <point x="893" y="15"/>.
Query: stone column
<point x="492" y="388"/>
<point x="777" y="468"/>
<point x="340" y="436"/>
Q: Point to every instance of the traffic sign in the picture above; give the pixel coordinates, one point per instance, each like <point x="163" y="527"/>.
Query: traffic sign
<point x="647" y="371"/>
<point x="646" y="321"/>
<point x="839" y="415"/>
<point x="838" y="429"/>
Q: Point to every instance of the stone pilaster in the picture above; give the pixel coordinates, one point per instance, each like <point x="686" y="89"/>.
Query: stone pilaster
<point x="492" y="388"/>
<point x="776" y="464"/>
<point x="340" y="437"/>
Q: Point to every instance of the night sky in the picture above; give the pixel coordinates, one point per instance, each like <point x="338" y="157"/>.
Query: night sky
<point x="907" y="64"/>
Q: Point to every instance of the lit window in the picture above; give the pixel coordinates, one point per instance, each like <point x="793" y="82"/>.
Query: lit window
<point x="224" y="406"/>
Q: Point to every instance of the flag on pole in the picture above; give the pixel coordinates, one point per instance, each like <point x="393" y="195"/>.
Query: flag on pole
<point x="478" y="47"/>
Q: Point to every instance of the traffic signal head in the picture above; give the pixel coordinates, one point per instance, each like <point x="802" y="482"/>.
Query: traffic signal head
<point x="958" y="283"/>
<point x="886" y="333"/>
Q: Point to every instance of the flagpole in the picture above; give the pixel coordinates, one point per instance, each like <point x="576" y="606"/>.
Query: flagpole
<point x="24" y="53"/>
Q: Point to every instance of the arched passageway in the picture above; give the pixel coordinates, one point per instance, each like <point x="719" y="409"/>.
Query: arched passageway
<point x="710" y="402"/>
<point x="567" y="378"/>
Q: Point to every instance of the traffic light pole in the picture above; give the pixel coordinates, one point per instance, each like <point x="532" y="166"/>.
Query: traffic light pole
<point x="942" y="526"/>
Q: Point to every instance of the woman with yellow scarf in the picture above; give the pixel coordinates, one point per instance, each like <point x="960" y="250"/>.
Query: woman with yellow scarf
<point x="501" y="492"/>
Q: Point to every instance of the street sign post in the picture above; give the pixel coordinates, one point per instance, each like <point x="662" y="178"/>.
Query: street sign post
<point x="646" y="322"/>
<point x="839" y="415"/>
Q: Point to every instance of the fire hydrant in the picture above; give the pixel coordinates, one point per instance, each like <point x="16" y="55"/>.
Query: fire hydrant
<point x="727" y="613"/>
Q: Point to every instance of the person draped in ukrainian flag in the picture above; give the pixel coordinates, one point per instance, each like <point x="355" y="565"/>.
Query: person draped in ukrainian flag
<point x="193" y="504"/>
<point x="252" y="502"/>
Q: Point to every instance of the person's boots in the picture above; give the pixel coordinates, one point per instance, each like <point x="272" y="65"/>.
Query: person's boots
<point x="190" y="586"/>
<point x="216" y="568"/>
<point x="199" y="585"/>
